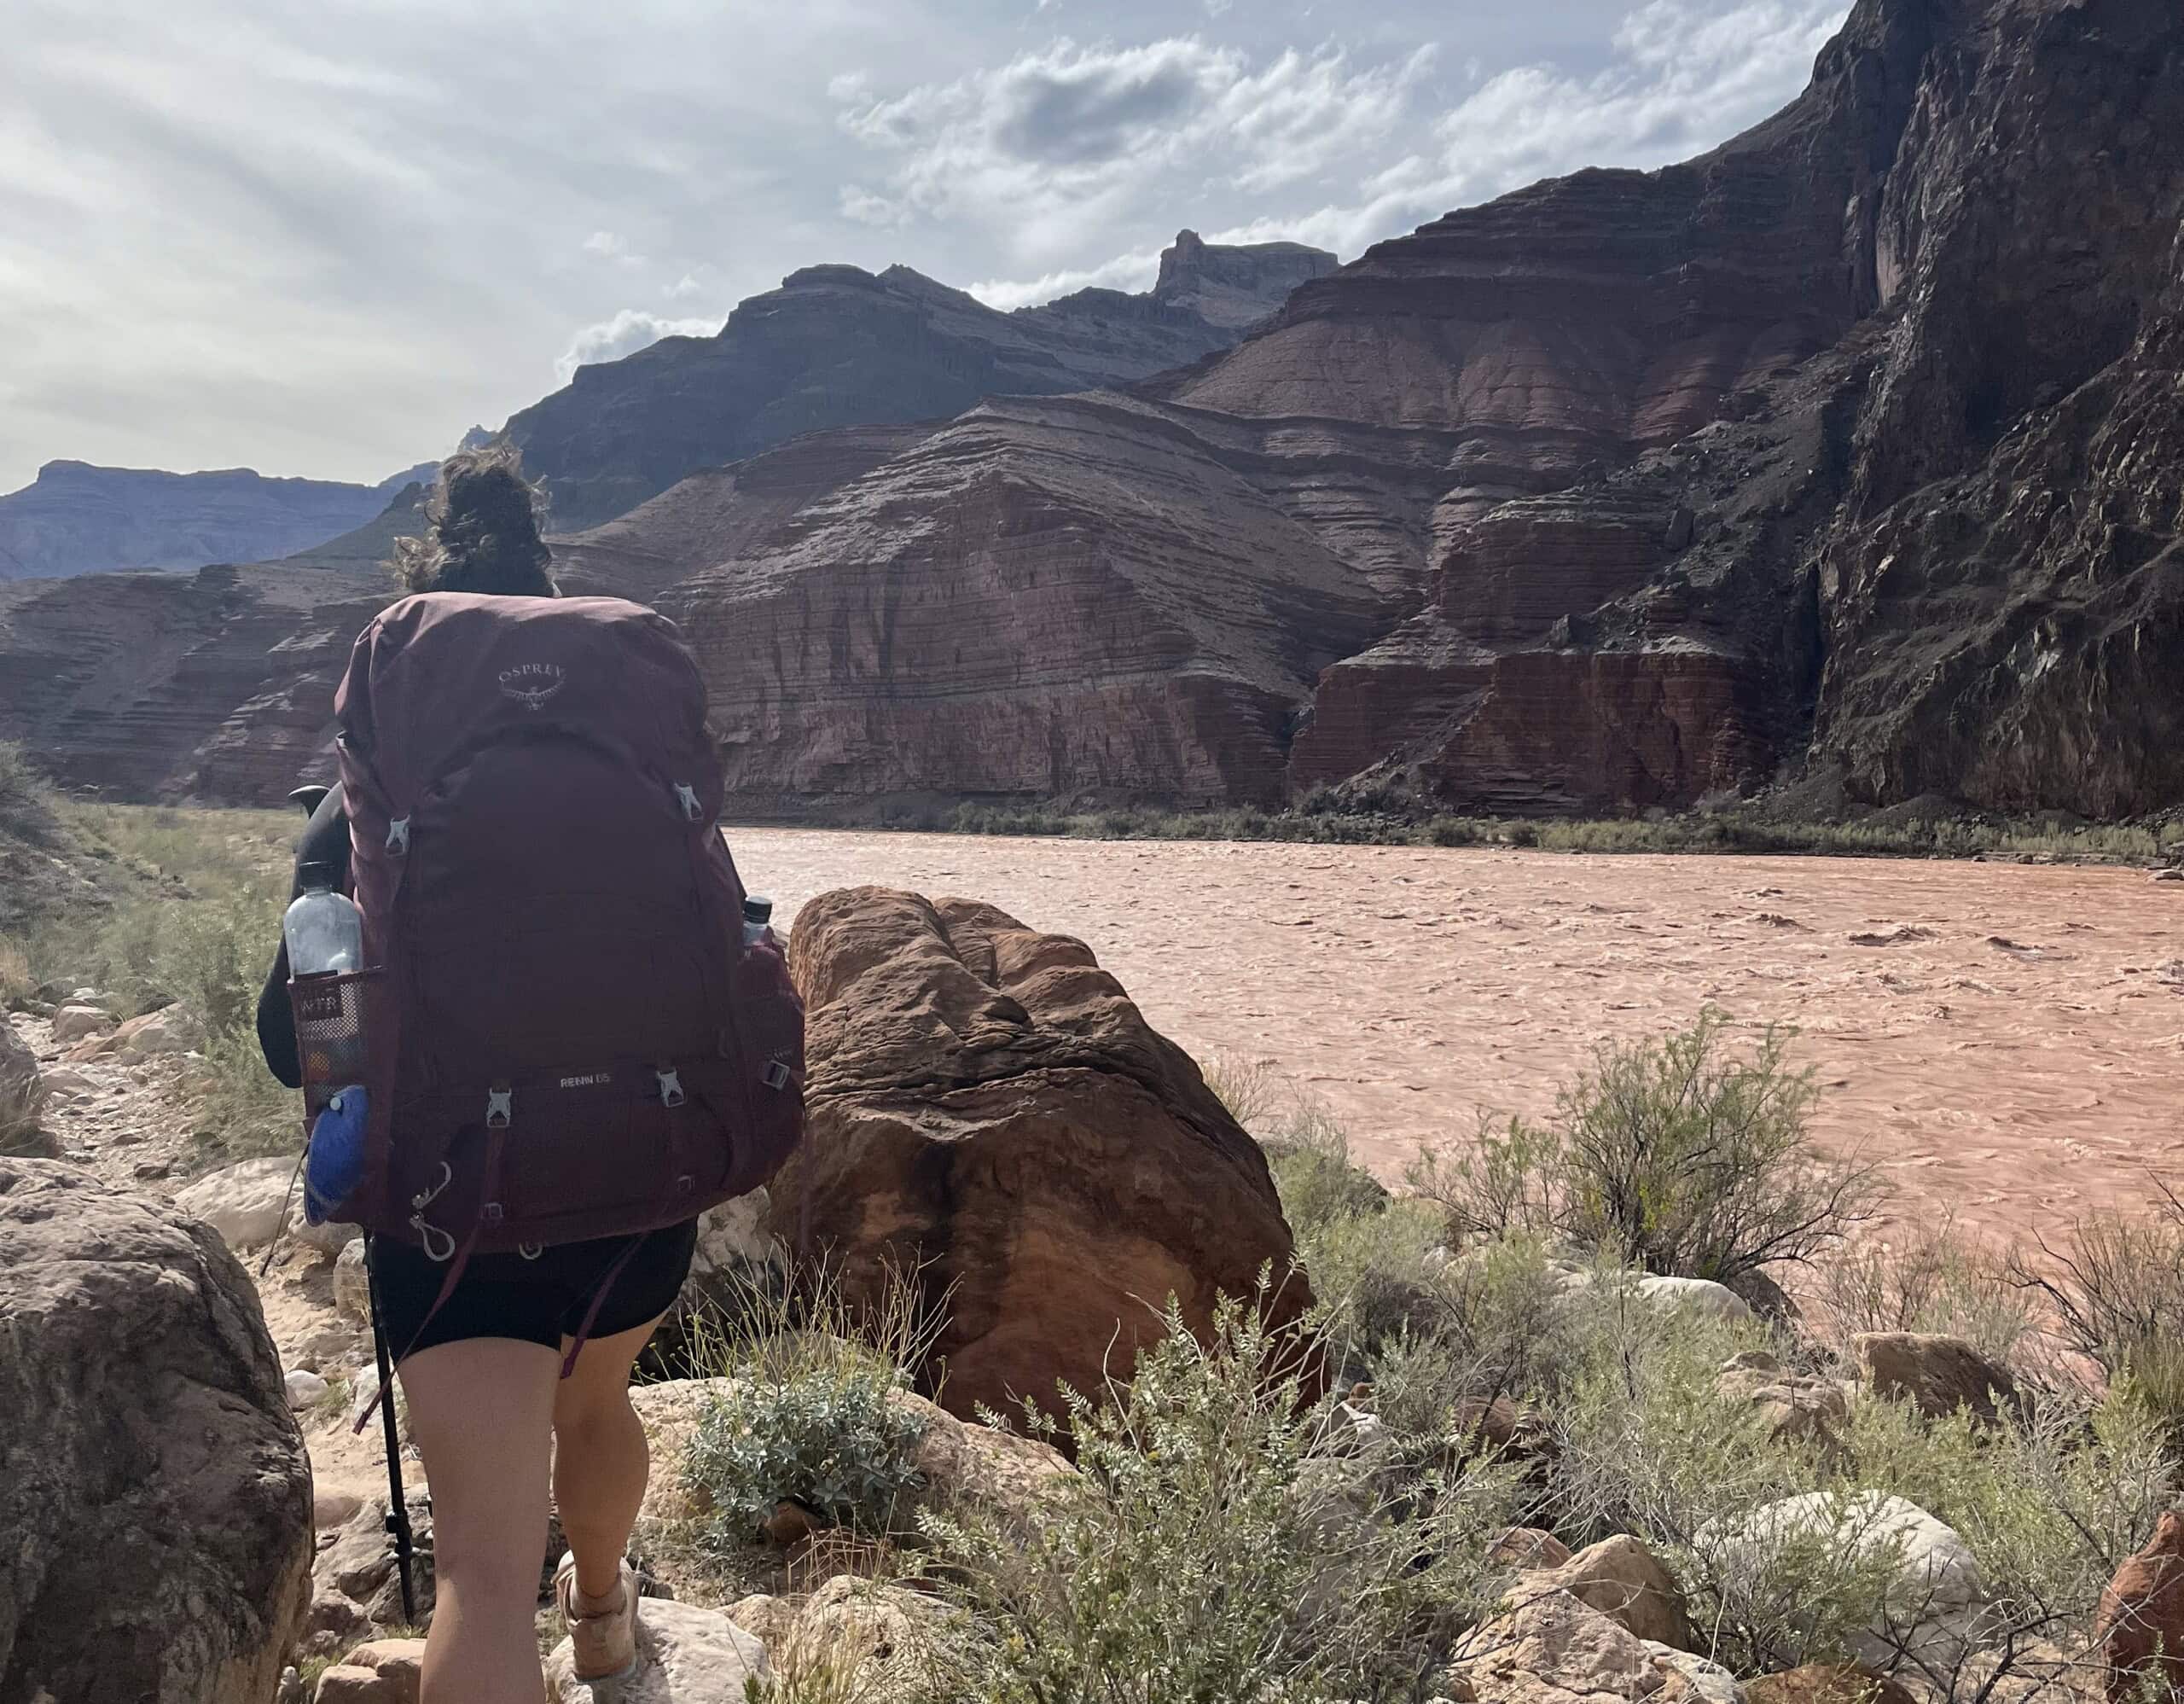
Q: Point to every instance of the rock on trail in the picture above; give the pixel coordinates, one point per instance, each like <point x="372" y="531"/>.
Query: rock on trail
<point x="155" y="1502"/>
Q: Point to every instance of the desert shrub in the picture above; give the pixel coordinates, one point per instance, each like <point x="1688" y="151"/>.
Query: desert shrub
<point x="803" y="1407"/>
<point x="2050" y="1500"/>
<point x="2116" y="1290"/>
<point x="25" y="801"/>
<point x="196" y="927"/>
<point x="1252" y="1089"/>
<point x="837" y="1445"/>
<point x="17" y="980"/>
<point x="1932" y="1279"/>
<point x="1681" y="1157"/>
<point x="1370" y="1256"/>
<point x="1508" y="1182"/>
<point x="1372" y="1276"/>
<point x="1493" y="1325"/>
<point x="237" y="1109"/>
<point x="1771" y="1595"/>
<point x="1645" y="1443"/>
<point x="1320" y="1185"/>
<point x="1225" y="1541"/>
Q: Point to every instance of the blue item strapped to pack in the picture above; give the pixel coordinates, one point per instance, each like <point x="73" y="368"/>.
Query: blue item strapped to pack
<point x="333" y="1164"/>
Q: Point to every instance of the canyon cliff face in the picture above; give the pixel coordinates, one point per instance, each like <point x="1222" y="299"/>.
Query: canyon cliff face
<point x="837" y="346"/>
<point x="1851" y="451"/>
<point x="1851" y="446"/>
<point x="77" y="519"/>
<point x="215" y="685"/>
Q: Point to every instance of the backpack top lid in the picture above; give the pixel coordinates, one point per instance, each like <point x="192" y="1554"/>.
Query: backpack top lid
<point x="441" y="673"/>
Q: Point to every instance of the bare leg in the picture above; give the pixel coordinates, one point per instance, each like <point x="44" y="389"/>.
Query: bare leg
<point x="601" y="1462"/>
<point x="482" y="1413"/>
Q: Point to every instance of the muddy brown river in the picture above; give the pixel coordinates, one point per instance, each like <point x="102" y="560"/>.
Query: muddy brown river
<point x="2008" y="1039"/>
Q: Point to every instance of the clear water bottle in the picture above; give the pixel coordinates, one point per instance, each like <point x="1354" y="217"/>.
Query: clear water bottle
<point x="324" y="930"/>
<point x="325" y="936"/>
<point x="757" y="919"/>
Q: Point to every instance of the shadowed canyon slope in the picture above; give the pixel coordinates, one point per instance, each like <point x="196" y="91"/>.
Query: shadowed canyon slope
<point x="837" y="346"/>
<point x="1854" y="445"/>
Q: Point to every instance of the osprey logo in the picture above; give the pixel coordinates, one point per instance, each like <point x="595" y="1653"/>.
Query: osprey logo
<point x="531" y="684"/>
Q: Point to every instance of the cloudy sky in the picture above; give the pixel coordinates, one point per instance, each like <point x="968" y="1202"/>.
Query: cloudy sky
<point x="325" y="238"/>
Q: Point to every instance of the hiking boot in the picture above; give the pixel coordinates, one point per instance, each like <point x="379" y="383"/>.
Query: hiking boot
<point x="606" y="1640"/>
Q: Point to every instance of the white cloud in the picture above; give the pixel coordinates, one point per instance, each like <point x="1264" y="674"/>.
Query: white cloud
<point x="1682" y="76"/>
<point x="628" y="331"/>
<point x="1684" y="79"/>
<point x="1050" y="140"/>
<point x="607" y="245"/>
<point x="686" y="285"/>
<point x="1135" y="271"/>
<point x="861" y="206"/>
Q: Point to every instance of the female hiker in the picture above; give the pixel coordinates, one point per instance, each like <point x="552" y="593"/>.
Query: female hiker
<point x="569" y="1057"/>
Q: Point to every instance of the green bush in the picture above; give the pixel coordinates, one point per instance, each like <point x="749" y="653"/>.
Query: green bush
<point x="1645" y="1443"/>
<point x="1680" y="1157"/>
<point x="2116" y="1290"/>
<point x="1226" y="1541"/>
<point x="237" y="1109"/>
<point x="803" y="1405"/>
<point x="836" y="1444"/>
<point x="1319" y="1184"/>
<point x="2049" y="1502"/>
<point x="1506" y="1183"/>
<point x="25" y="801"/>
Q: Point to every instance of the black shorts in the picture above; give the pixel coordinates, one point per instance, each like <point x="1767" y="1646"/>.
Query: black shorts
<point x="533" y="1301"/>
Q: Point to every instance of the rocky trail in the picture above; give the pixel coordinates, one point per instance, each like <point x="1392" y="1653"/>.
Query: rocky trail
<point x="126" y="1120"/>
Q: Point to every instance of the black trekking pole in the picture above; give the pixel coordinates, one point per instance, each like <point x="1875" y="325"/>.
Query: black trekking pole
<point x="398" y="1510"/>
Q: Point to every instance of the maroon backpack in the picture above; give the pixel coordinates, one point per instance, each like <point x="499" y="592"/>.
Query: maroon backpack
<point x="567" y="1037"/>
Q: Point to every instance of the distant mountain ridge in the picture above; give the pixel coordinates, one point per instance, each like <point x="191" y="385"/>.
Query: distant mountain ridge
<point x="838" y="345"/>
<point x="77" y="519"/>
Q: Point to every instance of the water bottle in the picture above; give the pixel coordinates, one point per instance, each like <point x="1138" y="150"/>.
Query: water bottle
<point x="757" y="919"/>
<point x="324" y="930"/>
<point x="325" y="936"/>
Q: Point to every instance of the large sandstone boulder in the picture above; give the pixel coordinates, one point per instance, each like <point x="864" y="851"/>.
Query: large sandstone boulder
<point x="155" y="1507"/>
<point x="252" y="1201"/>
<point x="1935" y="1602"/>
<point x="1620" y="1578"/>
<point x="22" y="1094"/>
<point x="1827" y="1684"/>
<point x="1552" y="1649"/>
<point x="990" y="1110"/>
<point x="2139" y="1630"/>
<point x="685" y="1655"/>
<point x="1799" y="1408"/>
<point x="1938" y="1374"/>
